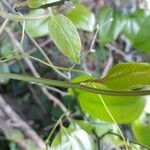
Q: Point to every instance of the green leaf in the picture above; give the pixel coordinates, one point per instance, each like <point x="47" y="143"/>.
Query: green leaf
<point x="141" y="41"/>
<point x="82" y="17"/>
<point x="123" y="109"/>
<point x="127" y="76"/>
<point x="38" y="28"/>
<point x="102" y="127"/>
<point x="35" y="3"/>
<point x="110" y="29"/>
<point x="141" y="131"/>
<point x="65" y="36"/>
<point x="72" y="139"/>
<point x="85" y="125"/>
<point x="136" y="28"/>
<point x="38" y="3"/>
<point x="4" y="68"/>
<point x="133" y="24"/>
<point x="104" y="23"/>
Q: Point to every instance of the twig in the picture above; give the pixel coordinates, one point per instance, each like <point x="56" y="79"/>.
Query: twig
<point x="46" y="57"/>
<point x="108" y="65"/>
<point x="5" y="3"/>
<point x="9" y="131"/>
<point x="55" y="90"/>
<point x="36" y="98"/>
<point x="130" y="141"/>
<point x="3" y="26"/>
<point x="35" y="73"/>
<point x="25" y="128"/>
<point x="60" y="2"/>
<point x="111" y="47"/>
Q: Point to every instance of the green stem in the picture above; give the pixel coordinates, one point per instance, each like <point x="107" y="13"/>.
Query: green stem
<point x="2" y="60"/>
<point x="21" y="18"/>
<point x="130" y="141"/>
<point x="3" y="26"/>
<point x="54" y="128"/>
<point x="66" y="84"/>
<point x="46" y="57"/>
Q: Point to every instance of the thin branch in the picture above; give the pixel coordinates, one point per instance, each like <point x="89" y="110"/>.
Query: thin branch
<point x="64" y="84"/>
<point x="3" y="26"/>
<point x="36" y="74"/>
<point x="25" y="128"/>
<point x="22" y="18"/>
<point x="108" y="65"/>
<point x="60" y="2"/>
<point x="35" y="43"/>
<point x="130" y="141"/>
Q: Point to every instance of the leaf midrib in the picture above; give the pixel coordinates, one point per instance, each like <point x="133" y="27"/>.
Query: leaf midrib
<point x="111" y="77"/>
<point x="63" y="32"/>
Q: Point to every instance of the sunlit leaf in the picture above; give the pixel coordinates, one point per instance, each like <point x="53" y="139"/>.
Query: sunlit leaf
<point x="72" y="139"/>
<point x="65" y="36"/>
<point x="85" y="125"/>
<point x="102" y="127"/>
<point x="128" y="76"/>
<point x="123" y="109"/>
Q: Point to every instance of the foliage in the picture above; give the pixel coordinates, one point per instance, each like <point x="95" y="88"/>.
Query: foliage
<point x="111" y="93"/>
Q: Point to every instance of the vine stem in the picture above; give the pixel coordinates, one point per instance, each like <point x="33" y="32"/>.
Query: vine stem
<point x="112" y="118"/>
<point x="21" y="18"/>
<point x="21" y="56"/>
<point x="46" y="57"/>
<point x="130" y="141"/>
<point x="65" y="84"/>
<point x="56" y="125"/>
<point x="3" y="26"/>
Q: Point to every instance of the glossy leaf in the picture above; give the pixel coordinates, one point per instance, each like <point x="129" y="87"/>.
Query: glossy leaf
<point x="65" y="36"/>
<point x="111" y="24"/>
<point x="82" y="17"/>
<point x="128" y="76"/>
<point x="123" y="109"/>
<point x="40" y="27"/>
<point x="72" y="139"/>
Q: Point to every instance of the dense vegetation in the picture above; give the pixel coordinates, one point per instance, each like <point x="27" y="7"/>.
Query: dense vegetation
<point x="74" y="75"/>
